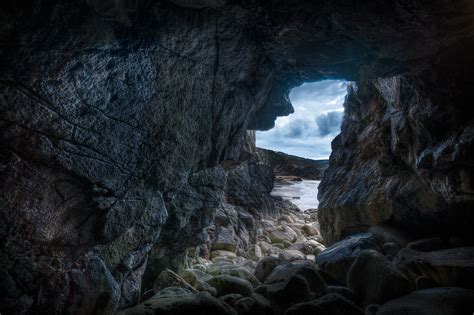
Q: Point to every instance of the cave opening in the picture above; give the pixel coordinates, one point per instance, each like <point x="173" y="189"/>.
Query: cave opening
<point x="302" y="140"/>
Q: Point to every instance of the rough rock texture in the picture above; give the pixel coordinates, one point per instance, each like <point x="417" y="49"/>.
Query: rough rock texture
<point x="404" y="157"/>
<point x="448" y="267"/>
<point x="114" y="116"/>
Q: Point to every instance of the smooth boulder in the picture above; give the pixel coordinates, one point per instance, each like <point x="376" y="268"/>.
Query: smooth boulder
<point x="374" y="280"/>
<point x="265" y="267"/>
<point x="338" y="258"/>
<point x="289" y="284"/>
<point x="228" y="284"/>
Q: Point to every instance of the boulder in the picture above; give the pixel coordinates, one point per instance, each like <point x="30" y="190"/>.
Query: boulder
<point x="184" y="303"/>
<point x="338" y="258"/>
<point x="329" y="304"/>
<point x="255" y="252"/>
<point x="265" y="267"/>
<point x="374" y="280"/>
<point x="285" y="218"/>
<point x="435" y="301"/>
<point x="240" y="272"/>
<point x="215" y="269"/>
<point x="168" y="278"/>
<point x="223" y="254"/>
<point x="310" y="230"/>
<point x="198" y="273"/>
<point x="225" y="240"/>
<point x="231" y="298"/>
<point x="304" y="247"/>
<point x="229" y="284"/>
<point x="390" y="234"/>
<point x="289" y="284"/>
<point x="449" y="267"/>
<point x="282" y="233"/>
<point x="291" y="255"/>
<point x="342" y="291"/>
<point x="255" y="304"/>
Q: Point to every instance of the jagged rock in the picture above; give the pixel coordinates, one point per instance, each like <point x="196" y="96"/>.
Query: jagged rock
<point x="290" y="283"/>
<point x="387" y="165"/>
<point x="265" y="267"/>
<point x="442" y="301"/>
<point x="326" y="305"/>
<point x="374" y="280"/>
<point x="200" y="303"/>
<point x="448" y="267"/>
<point x="228" y="284"/>
<point x="338" y="258"/>
<point x="291" y="255"/>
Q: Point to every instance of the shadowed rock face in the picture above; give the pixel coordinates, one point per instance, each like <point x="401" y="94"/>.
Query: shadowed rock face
<point x="404" y="156"/>
<point x="114" y="116"/>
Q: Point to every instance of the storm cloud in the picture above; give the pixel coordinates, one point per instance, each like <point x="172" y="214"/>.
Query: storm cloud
<point x="316" y="121"/>
<point x="329" y="123"/>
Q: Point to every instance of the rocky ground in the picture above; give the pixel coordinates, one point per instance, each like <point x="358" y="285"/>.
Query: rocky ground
<point x="287" y="269"/>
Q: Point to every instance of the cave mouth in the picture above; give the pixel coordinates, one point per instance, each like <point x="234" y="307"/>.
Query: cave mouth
<point x="303" y="139"/>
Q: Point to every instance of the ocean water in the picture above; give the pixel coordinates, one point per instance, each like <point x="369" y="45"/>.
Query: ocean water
<point x="303" y="194"/>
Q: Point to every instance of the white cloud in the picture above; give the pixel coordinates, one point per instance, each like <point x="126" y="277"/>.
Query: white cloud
<point x="316" y="121"/>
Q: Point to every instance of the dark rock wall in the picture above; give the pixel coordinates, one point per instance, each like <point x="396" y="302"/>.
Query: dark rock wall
<point x="404" y="157"/>
<point x="115" y="114"/>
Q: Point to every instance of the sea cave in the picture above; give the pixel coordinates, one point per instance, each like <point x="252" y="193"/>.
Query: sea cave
<point x="137" y="177"/>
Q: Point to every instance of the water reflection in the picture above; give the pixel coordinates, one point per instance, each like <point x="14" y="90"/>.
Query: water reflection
<point x="303" y="193"/>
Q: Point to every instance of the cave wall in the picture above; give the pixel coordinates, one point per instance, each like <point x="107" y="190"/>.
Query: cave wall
<point x="404" y="157"/>
<point x="114" y="117"/>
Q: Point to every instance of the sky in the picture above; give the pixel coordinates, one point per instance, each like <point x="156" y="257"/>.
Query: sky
<point x="308" y="132"/>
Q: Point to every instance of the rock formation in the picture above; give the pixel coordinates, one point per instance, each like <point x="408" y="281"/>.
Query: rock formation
<point x="116" y="115"/>
<point x="289" y="165"/>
